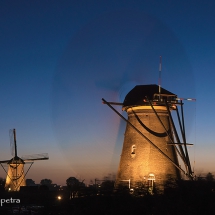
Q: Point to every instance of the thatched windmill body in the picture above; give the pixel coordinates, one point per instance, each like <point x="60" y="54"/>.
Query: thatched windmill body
<point x="16" y="174"/>
<point x="151" y="145"/>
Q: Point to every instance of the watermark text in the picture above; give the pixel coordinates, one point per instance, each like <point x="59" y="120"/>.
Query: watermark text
<point x="11" y="200"/>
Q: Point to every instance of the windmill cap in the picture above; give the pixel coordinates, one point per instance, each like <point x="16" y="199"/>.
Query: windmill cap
<point x="16" y="160"/>
<point x="139" y="93"/>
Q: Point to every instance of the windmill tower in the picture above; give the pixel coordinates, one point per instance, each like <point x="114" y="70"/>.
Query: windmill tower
<point x="15" y="174"/>
<point x="151" y="145"/>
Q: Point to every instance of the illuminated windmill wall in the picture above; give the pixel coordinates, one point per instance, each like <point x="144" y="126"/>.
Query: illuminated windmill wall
<point x="15" y="175"/>
<point x="151" y="143"/>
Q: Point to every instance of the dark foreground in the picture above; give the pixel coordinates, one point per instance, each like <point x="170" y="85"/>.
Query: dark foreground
<point x="191" y="199"/>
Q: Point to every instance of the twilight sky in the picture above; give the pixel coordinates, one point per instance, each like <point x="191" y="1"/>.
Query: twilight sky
<point x="59" y="58"/>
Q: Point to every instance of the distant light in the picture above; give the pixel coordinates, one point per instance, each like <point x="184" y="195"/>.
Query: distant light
<point x="59" y="198"/>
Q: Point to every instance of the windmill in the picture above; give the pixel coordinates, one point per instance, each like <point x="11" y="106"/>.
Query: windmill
<point x="152" y="144"/>
<point x="15" y="174"/>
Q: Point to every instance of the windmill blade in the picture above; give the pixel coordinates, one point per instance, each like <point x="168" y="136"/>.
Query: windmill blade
<point x="12" y="145"/>
<point x="12" y="134"/>
<point x="5" y="161"/>
<point x="43" y="156"/>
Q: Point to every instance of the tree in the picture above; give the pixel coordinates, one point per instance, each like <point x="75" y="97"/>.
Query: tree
<point x="30" y="182"/>
<point x="74" y="186"/>
<point x="209" y="177"/>
<point x="2" y="183"/>
<point x="72" y="182"/>
<point x="46" y="182"/>
<point x="107" y="185"/>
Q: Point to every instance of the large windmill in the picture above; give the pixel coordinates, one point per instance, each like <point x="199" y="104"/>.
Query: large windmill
<point x="152" y="144"/>
<point x="15" y="174"/>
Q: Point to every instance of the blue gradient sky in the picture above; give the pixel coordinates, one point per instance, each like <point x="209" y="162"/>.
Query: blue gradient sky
<point x="59" y="58"/>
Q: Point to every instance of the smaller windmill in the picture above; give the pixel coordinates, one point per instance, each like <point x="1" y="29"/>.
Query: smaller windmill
<point x="15" y="174"/>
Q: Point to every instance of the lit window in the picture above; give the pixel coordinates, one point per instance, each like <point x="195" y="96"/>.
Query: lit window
<point x="133" y="150"/>
<point x="151" y="179"/>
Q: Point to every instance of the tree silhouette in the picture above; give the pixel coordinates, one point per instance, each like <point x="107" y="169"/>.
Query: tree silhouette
<point x="108" y="182"/>
<point x="2" y="183"/>
<point x="30" y="182"/>
<point x="209" y="177"/>
<point x="74" y="186"/>
<point x="46" y="181"/>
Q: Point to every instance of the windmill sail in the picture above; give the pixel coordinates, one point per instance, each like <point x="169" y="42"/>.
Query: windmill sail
<point x="43" y="156"/>
<point x="4" y="161"/>
<point x="12" y="145"/>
